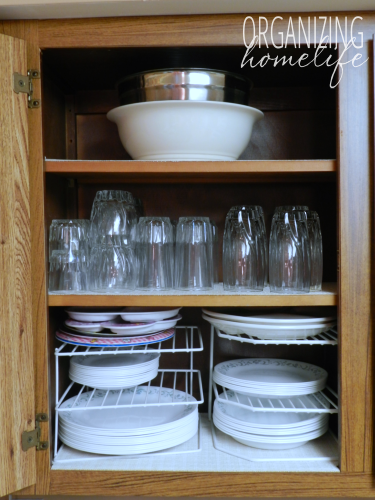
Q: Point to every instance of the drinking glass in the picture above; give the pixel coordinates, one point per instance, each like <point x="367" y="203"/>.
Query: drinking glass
<point x="154" y="253"/>
<point x="112" y="268"/>
<point x="68" y="271"/>
<point x="289" y="258"/>
<point x="215" y="251"/>
<point x="243" y="250"/>
<point x="68" y="235"/>
<point x="316" y="250"/>
<point x="68" y="255"/>
<point x="113" y="219"/>
<point x="193" y="258"/>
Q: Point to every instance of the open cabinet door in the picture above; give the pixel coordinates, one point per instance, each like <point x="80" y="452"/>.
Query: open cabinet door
<point x="17" y="414"/>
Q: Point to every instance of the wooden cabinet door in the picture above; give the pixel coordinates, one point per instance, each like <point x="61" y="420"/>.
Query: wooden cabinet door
<point x="17" y="413"/>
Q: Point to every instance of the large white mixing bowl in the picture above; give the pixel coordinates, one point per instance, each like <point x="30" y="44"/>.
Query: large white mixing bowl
<point x="185" y="130"/>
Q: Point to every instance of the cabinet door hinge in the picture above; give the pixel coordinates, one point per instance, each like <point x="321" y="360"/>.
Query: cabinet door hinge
<point x="24" y="83"/>
<point x="32" y="438"/>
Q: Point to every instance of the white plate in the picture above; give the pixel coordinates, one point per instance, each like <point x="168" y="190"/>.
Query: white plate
<point x="271" y="377"/>
<point x="91" y="316"/>
<point x="152" y="327"/>
<point x="267" y="420"/>
<point x="121" y="420"/>
<point x="269" y="332"/>
<point x="272" y="318"/>
<point x="135" y="314"/>
<point x="84" y="327"/>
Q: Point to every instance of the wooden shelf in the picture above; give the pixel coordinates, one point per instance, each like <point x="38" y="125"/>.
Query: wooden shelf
<point x="218" y="298"/>
<point x="172" y="171"/>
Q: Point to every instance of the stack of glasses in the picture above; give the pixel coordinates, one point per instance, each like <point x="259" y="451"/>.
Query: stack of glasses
<point x="245" y="249"/>
<point x="119" y="250"/>
<point x="296" y="250"/>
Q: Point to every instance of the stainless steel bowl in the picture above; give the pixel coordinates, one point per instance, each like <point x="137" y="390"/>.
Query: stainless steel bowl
<point x="184" y="84"/>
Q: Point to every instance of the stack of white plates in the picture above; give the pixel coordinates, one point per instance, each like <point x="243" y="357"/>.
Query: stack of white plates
<point x="109" y="371"/>
<point x="273" y="326"/>
<point x="131" y="430"/>
<point x="272" y="378"/>
<point x="270" y="431"/>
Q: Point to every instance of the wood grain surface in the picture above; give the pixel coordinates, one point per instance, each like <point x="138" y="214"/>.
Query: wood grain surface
<point x="17" y="410"/>
<point x="179" y="31"/>
<point x="85" y="167"/>
<point x="261" y="300"/>
<point x="203" y="484"/>
<point x="355" y="157"/>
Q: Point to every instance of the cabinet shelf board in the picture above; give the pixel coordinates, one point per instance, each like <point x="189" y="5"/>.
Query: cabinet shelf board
<point x="216" y="298"/>
<point x="172" y="171"/>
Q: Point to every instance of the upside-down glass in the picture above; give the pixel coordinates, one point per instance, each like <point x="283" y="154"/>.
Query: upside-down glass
<point x="215" y="251"/>
<point x="113" y="219"/>
<point x="316" y="250"/>
<point x="69" y="235"/>
<point x="289" y="258"/>
<point x="193" y="256"/>
<point x="68" y="255"/>
<point x="68" y="271"/>
<point x="154" y="253"/>
<point x="111" y="268"/>
<point x="243" y="250"/>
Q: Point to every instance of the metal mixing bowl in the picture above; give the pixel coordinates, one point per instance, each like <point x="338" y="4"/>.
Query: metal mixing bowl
<point x="184" y="84"/>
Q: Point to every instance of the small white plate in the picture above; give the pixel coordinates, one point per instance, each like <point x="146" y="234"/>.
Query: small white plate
<point x="91" y="315"/>
<point x="137" y="329"/>
<point x="135" y="314"/>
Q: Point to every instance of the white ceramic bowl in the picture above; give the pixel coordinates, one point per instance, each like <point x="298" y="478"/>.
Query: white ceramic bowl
<point x="185" y="130"/>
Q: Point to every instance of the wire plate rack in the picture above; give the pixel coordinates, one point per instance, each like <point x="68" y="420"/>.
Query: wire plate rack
<point x="188" y="339"/>
<point x="181" y="378"/>
<point x="326" y="338"/>
<point x="325" y="401"/>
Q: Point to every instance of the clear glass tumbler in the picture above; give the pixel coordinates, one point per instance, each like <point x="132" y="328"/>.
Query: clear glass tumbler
<point x="69" y="235"/>
<point x="243" y="250"/>
<point x="112" y="268"/>
<point x="193" y="257"/>
<point x="290" y="257"/>
<point x="68" y="271"/>
<point x="154" y="253"/>
<point x="113" y="219"/>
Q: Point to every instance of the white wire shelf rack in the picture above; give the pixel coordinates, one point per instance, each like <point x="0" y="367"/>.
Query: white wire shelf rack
<point x="184" y="379"/>
<point x="325" y="401"/>
<point x="326" y="338"/>
<point x="186" y="339"/>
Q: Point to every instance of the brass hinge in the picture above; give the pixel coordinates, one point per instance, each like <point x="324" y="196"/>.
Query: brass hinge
<point x="22" y="83"/>
<point x="32" y="438"/>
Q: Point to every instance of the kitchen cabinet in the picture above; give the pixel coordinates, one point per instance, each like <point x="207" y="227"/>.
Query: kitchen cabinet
<point x="314" y="145"/>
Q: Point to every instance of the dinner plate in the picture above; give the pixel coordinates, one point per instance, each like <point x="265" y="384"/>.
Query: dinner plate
<point x="135" y="328"/>
<point x="91" y="315"/>
<point x="137" y="418"/>
<point x="135" y="314"/>
<point x="272" y="318"/>
<point x="270" y="377"/>
<point x="84" y="326"/>
<point x="114" y="341"/>
<point x="269" y="332"/>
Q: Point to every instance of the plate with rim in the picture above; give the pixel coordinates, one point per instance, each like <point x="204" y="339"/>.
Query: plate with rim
<point x="269" y="332"/>
<point x="272" y="318"/>
<point x="148" y="313"/>
<point x="92" y="315"/>
<point x="149" y="327"/>
<point x="114" y="341"/>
